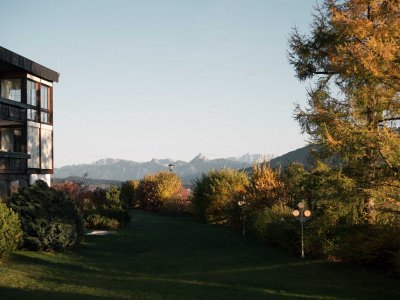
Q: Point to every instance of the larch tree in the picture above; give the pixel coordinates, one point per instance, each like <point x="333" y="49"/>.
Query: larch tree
<point x="352" y="55"/>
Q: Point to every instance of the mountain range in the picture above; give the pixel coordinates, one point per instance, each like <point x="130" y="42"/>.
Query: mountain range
<point x="121" y="170"/>
<point x="109" y="171"/>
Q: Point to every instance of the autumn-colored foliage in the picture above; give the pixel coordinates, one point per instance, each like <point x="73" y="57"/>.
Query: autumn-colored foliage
<point x="265" y="188"/>
<point x="353" y="112"/>
<point x="158" y="189"/>
<point x="101" y="208"/>
<point x="352" y="117"/>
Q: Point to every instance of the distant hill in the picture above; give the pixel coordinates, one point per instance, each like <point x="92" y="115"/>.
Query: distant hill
<point x="87" y="181"/>
<point x="121" y="170"/>
<point x="300" y="155"/>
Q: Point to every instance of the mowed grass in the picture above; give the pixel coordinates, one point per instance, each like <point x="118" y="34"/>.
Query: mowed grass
<point x="164" y="257"/>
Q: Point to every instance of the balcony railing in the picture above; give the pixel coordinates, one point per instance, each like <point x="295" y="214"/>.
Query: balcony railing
<point x="12" y="111"/>
<point x="13" y="162"/>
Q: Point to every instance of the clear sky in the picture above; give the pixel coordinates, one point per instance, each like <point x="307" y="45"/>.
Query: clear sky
<point x="164" y="79"/>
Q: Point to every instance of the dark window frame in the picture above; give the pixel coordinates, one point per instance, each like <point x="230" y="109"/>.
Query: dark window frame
<point x="33" y="107"/>
<point x="47" y="110"/>
<point x="13" y="77"/>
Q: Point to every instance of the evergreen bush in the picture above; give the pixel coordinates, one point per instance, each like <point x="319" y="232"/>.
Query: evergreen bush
<point x="50" y="220"/>
<point x="128" y="192"/>
<point x="105" y="210"/>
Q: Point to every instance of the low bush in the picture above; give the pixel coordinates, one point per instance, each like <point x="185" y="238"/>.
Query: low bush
<point x="97" y="221"/>
<point x="179" y="204"/>
<point x="78" y="193"/>
<point x="365" y="244"/>
<point x="276" y="226"/>
<point x="147" y="194"/>
<point x="100" y="208"/>
<point x="10" y="231"/>
<point x="154" y="191"/>
<point x="104" y="210"/>
<point x="50" y="220"/>
<point x="107" y="211"/>
<point x="215" y="194"/>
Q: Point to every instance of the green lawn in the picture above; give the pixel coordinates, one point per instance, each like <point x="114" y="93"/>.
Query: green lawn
<point x="162" y="257"/>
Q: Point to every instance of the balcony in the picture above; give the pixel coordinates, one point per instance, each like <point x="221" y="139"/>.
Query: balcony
<point x="13" y="162"/>
<point x="12" y="112"/>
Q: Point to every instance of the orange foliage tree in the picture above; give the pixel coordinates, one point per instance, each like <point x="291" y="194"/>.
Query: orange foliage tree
<point x="353" y="57"/>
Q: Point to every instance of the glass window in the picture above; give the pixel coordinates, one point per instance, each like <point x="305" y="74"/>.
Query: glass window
<point x="44" y="117"/>
<point x="31" y="114"/>
<point x="10" y="139"/>
<point x="32" y="92"/>
<point x="11" y="89"/>
<point x="18" y="140"/>
<point x="44" y="97"/>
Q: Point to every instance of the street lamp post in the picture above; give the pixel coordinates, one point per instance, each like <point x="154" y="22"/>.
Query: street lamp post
<point x="171" y="167"/>
<point x="242" y="205"/>
<point x="302" y="214"/>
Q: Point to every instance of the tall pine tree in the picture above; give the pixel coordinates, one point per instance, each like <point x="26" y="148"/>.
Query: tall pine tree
<point x="352" y="55"/>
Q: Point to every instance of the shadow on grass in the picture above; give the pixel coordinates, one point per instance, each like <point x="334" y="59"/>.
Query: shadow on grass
<point x="22" y="294"/>
<point x="163" y="257"/>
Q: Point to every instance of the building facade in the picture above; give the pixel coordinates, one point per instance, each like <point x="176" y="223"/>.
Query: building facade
<point x="26" y="121"/>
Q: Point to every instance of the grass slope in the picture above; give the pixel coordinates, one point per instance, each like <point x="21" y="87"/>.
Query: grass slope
<point x="162" y="257"/>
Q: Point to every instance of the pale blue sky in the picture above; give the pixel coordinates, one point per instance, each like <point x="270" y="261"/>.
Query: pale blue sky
<point x="145" y="79"/>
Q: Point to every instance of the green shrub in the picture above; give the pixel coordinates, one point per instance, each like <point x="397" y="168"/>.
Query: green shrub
<point x="105" y="210"/>
<point x="276" y="226"/>
<point x="366" y="244"/>
<point x="50" y="221"/>
<point x="215" y="194"/>
<point x="128" y="192"/>
<point x="155" y="190"/>
<point x="10" y="231"/>
<point x="97" y="221"/>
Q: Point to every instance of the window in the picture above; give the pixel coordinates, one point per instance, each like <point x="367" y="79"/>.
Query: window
<point x="44" y="94"/>
<point x="44" y="117"/>
<point x="31" y="114"/>
<point x="11" y="89"/>
<point x="18" y="141"/>
<point x="10" y="140"/>
<point x="32" y="89"/>
<point x="45" y="104"/>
